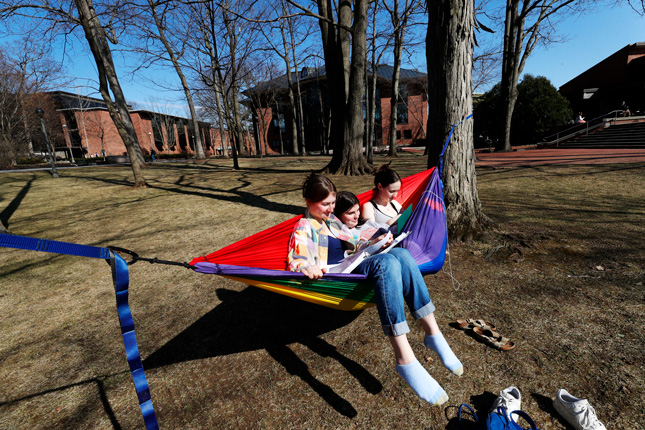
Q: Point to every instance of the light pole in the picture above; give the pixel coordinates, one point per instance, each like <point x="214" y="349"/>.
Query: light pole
<point x="41" y="113"/>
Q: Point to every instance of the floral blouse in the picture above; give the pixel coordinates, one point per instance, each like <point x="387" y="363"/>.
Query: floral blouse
<point x="309" y="241"/>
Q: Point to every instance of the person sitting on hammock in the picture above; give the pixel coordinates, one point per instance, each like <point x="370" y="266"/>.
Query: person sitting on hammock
<point x="320" y="238"/>
<point x="382" y="208"/>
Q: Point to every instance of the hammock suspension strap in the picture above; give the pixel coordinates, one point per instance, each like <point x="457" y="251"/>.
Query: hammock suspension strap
<point x="121" y="280"/>
<point x="155" y="260"/>
<point x="445" y="146"/>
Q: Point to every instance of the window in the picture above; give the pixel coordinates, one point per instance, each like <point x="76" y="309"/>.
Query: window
<point x="407" y="134"/>
<point x="398" y="135"/>
<point x="401" y="113"/>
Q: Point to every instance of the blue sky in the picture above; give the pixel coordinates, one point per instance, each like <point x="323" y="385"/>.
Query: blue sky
<point x="590" y="39"/>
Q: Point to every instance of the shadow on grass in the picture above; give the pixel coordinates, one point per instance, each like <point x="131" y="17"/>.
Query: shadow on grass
<point x="15" y="203"/>
<point x="236" y="195"/>
<point x="100" y="387"/>
<point x="255" y="319"/>
<point x="481" y="404"/>
<point x="546" y="404"/>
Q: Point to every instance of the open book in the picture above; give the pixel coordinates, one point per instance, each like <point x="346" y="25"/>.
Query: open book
<point x="350" y="262"/>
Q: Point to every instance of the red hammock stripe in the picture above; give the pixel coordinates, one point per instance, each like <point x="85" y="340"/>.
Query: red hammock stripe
<point x="268" y="248"/>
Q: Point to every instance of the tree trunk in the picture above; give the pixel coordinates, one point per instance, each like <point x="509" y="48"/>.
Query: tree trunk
<point x="298" y="96"/>
<point x="292" y="100"/>
<point x="449" y="48"/>
<point x="399" y="34"/>
<point x="353" y="161"/>
<point x="210" y="40"/>
<point x="345" y="90"/>
<point x="199" y="148"/>
<point x="108" y="81"/>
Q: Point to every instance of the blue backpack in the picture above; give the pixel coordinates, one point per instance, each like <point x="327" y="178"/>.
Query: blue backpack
<point x="499" y="420"/>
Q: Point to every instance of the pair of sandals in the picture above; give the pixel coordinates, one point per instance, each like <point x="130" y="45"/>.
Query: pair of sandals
<point x="485" y="332"/>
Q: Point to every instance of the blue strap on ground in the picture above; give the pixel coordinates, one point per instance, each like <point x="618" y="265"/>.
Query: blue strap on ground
<point x="121" y="279"/>
<point x="443" y="151"/>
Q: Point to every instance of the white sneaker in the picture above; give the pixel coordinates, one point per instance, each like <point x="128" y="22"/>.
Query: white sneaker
<point x="509" y="398"/>
<point x="577" y="412"/>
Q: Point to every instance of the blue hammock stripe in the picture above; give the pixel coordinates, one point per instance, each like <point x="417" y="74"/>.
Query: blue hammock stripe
<point x="121" y="280"/>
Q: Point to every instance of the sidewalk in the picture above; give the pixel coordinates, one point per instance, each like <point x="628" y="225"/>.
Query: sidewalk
<point x="538" y="157"/>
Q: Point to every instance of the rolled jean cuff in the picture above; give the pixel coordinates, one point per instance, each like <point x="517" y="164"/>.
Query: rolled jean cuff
<point x="424" y="311"/>
<point x="396" y="329"/>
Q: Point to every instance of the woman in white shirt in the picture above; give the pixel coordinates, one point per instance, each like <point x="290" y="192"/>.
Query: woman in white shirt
<point x="382" y="208"/>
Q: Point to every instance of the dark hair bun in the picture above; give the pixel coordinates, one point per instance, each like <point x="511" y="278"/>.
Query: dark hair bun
<point x="385" y="175"/>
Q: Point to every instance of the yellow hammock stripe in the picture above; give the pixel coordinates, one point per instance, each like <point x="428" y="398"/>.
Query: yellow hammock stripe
<point x="308" y="296"/>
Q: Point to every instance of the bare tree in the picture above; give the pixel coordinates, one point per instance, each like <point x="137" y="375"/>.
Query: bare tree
<point x="99" y="126"/>
<point x="449" y="51"/>
<point x="522" y="31"/>
<point x="171" y="29"/>
<point x="25" y="71"/>
<point x="399" y="21"/>
<point x="211" y="73"/>
<point x="64" y="18"/>
<point x="344" y="39"/>
<point x="283" y="26"/>
<point x="262" y="95"/>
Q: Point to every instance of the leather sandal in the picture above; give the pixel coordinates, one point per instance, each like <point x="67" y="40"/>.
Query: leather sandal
<point x="493" y="339"/>
<point x="468" y="323"/>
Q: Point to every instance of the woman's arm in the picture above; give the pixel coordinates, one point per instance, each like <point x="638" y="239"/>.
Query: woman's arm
<point x="367" y="211"/>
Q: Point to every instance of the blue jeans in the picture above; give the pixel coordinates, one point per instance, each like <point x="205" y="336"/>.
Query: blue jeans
<point x="397" y="280"/>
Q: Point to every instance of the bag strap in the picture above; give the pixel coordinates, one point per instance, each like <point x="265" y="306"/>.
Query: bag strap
<point x="526" y="417"/>
<point x="471" y="411"/>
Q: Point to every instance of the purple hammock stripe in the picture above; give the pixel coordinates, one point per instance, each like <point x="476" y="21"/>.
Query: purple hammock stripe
<point x="242" y="272"/>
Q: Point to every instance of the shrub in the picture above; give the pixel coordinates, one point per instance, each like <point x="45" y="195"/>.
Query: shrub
<point x="539" y="107"/>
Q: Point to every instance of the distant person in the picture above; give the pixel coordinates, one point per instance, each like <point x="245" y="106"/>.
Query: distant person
<point x="625" y="109"/>
<point x="580" y="119"/>
<point x="153" y="154"/>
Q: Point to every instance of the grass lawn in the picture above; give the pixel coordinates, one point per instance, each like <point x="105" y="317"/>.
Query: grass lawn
<point x="560" y="272"/>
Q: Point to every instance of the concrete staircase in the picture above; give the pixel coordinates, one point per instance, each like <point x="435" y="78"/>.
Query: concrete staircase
<point x="619" y="136"/>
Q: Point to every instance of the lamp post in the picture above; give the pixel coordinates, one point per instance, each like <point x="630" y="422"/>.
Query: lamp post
<point x="41" y="113"/>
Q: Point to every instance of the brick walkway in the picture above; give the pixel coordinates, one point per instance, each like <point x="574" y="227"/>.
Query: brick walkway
<point x="537" y="157"/>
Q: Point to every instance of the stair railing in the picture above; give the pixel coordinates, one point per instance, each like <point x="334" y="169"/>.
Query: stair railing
<point x="581" y="128"/>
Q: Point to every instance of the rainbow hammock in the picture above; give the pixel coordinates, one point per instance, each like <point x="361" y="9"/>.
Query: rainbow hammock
<point x="260" y="260"/>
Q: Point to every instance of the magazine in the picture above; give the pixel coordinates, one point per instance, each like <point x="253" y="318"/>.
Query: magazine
<point x="350" y="262"/>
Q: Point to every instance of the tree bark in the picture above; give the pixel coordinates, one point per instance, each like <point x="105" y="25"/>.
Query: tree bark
<point x="449" y="47"/>
<point x="399" y="25"/>
<point x="292" y="99"/>
<point x="516" y="51"/>
<point x="199" y="147"/>
<point x="345" y="85"/>
<point x="108" y="81"/>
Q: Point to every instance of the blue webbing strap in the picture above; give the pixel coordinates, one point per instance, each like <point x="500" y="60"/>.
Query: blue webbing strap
<point x="121" y="279"/>
<point x="445" y="146"/>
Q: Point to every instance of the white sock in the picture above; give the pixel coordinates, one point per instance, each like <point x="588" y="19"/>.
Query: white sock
<point x="422" y="383"/>
<point x="438" y="344"/>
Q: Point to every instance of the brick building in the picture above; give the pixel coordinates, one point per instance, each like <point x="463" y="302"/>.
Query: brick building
<point x="89" y="131"/>
<point x="272" y="117"/>
<point x="602" y="88"/>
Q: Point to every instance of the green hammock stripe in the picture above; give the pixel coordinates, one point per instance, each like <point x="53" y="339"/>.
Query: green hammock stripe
<point x="361" y="291"/>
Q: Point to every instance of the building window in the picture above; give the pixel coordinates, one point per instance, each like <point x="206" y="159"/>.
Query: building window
<point x="407" y="134"/>
<point x="398" y="135"/>
<point x="278" y="121"/>
<point x="401" y="113"/>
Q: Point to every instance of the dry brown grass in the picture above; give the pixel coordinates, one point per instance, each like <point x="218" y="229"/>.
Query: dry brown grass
<point x="561" y="275"/>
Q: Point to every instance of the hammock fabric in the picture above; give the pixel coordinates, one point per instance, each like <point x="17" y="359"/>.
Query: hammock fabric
<point x="261" y="259"/>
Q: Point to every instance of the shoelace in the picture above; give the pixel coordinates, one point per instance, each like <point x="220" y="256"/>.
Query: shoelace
<point x="589" y="418"/>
